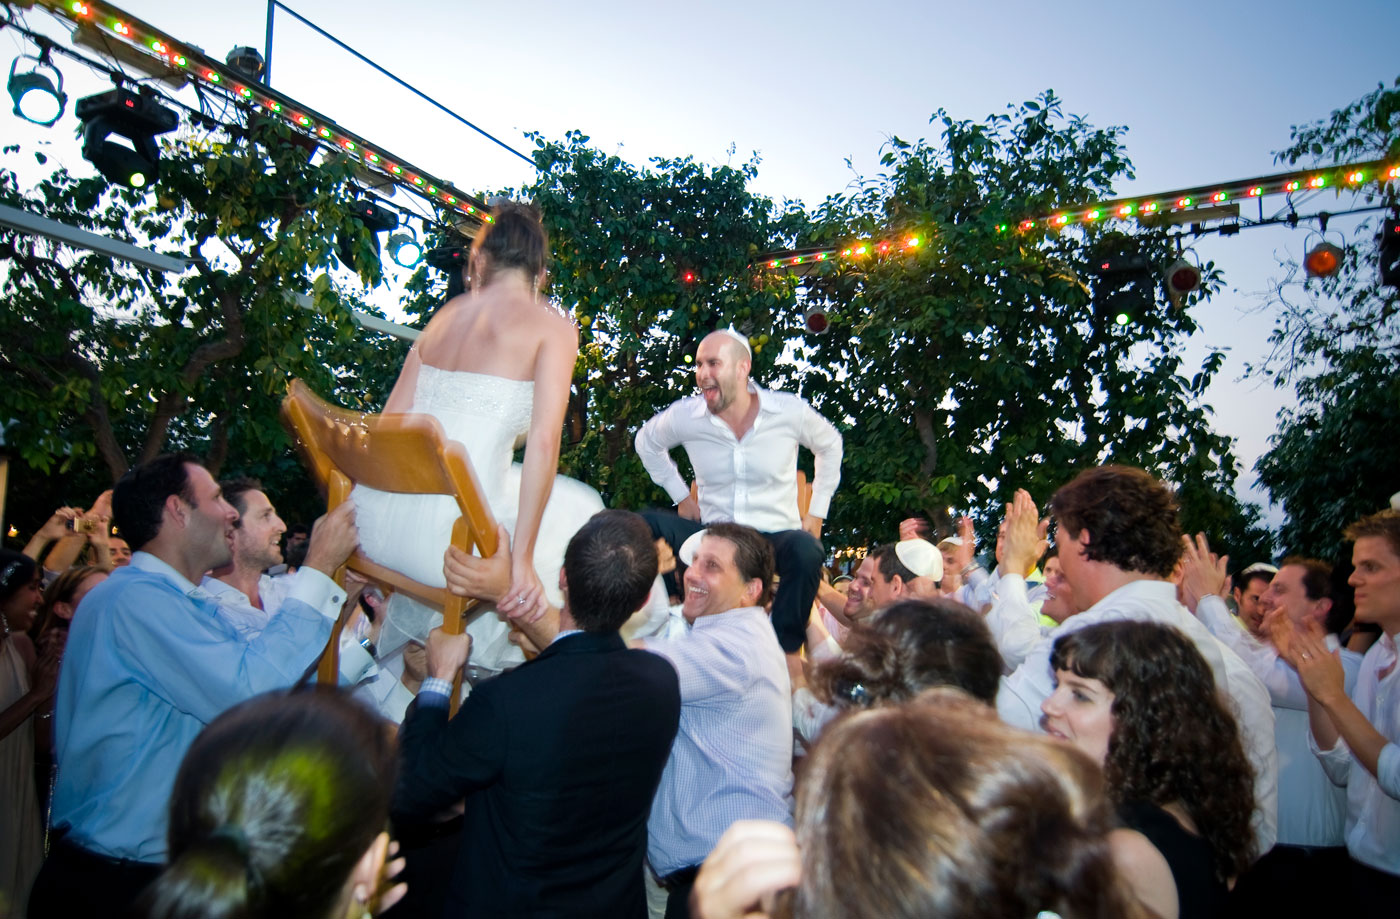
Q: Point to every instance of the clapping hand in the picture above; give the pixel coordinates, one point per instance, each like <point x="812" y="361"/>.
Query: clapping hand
<point x="1306" y="651"/>
<point x="1203" y="573"/>
<point x="1022" y="540"/>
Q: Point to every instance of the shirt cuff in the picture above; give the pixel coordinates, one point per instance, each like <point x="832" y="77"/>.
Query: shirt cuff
<point x="434" y="693"/>
<point x="356" y="662"/>
<point x="317" y="591"/>
<point x="820" y="506"/>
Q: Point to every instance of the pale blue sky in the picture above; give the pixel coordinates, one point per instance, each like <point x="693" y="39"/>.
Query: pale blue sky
<point x="1208" y="91"/>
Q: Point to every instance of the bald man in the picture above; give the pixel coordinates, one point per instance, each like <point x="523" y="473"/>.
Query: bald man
<point x="742" y="442"/>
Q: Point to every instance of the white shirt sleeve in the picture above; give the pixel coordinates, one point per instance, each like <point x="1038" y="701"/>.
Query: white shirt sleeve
<point x="1285" y="689"/>
<point x="654" y="443"/>
<point x="1013" y="622"/>
<point x="821" y="437"/>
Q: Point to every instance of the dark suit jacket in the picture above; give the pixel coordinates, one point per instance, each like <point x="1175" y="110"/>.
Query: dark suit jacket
<point x="558" y="761"/>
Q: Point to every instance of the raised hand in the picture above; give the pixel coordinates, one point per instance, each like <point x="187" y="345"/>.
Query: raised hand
<point x="1203" y="573"/>
<point x="1022" y="539"/>
<point x="752" y="861"/>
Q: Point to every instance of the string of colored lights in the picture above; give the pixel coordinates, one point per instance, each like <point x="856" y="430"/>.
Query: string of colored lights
<point x="186" y="60"/>
<point x="1142" y="208"/>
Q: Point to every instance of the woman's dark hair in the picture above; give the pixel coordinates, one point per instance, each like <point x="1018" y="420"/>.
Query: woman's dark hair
<point x="514" y="238"/>
<point x="1174" y="739"/>
<point x="61" y="590"/>
<point x="936" y="808"/>
<point x="274" y="805"/>
<point x="16" y="571"/>
<point x="912" y="646"/>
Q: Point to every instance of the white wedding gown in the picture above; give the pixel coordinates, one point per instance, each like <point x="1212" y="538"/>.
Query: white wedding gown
<point x="410" y="533"/>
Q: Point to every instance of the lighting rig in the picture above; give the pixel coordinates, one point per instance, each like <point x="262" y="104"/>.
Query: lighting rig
<point x="1184" y="206"/>
<point x="110" y="30"/>
<point x="35" y="95"/>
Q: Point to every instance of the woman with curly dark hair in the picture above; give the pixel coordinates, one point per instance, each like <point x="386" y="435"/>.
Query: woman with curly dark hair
<point x="1139" y="698"/>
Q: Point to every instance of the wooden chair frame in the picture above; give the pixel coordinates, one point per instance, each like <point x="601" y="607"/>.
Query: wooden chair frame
<point x="404" y="453"/>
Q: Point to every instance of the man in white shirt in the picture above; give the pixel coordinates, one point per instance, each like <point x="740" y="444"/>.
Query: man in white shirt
<point x="742" y="442"/>
<point x="248" y="598"/>
<point x="1119" y="540"/>
<point x="1357" y="734"/>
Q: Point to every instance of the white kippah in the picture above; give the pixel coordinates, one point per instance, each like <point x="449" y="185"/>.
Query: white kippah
<point x="739" y="338"/>
<point x="921" y="557"/>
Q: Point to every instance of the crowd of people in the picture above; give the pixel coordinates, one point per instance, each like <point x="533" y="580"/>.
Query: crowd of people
<point x="674" y="713"/>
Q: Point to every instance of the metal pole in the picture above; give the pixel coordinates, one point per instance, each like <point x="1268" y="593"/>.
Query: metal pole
<point x="267" y="45"/>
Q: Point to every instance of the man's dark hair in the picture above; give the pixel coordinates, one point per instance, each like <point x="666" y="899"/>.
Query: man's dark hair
<point x="1131" y="518"/>
<point x="235" y="491"/>
<point x="753" y="555"/>
<point x="1317" y="576"/>
<point x="1051" y="552"/>
<point x="609" y="567"/>
<point x="889" y="565"/>
<point x="138" y="498"/>
<point x="1249" y="577"/>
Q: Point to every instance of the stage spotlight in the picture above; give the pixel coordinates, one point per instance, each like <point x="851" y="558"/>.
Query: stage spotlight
<point x="1182" y="278"/>
<point x="246" y="61"/>
<point x="404" y="248"/>
<point x="816" y="320"/>
<point x="1390" y="253"/>
<point x="376" y="219"/>
<point x="1323" y="260"/>
<point x="36" y="97"/>
<point x="138" y="118"/>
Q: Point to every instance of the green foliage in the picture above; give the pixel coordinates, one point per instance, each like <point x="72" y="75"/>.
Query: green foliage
<point x="1337" y="341"/>
<point x="1333" y="458"/>
<point x="624" y="238"/>
<point x="116" y="363"/>
<point x="985" y="360"/>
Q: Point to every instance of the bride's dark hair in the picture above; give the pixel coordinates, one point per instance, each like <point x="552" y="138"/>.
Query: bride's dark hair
<point x="515" y="238"/>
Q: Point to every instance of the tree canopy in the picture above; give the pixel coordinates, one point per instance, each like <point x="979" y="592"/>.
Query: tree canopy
<point x="108" y="363"/>
<point x="1337" y="342"/>
<point x="979" y="361"/>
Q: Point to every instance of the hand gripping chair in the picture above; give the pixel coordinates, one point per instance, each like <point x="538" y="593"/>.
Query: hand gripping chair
<point x="396" y="453"/>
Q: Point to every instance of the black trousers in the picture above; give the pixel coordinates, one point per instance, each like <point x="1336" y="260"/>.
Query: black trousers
<point x="76" y="882"/>
<point x="797" y="555"/>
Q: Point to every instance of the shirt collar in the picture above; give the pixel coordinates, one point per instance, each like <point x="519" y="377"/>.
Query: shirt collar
<point x="145" y="561"/>
<point x="565" y="634"/>
<point x="764" y="405"/>
<point x="1144" y="588"/>
<point x="737" y="613"/>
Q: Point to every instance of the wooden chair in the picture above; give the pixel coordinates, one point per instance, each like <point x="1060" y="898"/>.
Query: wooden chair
<point x="396" y="453"/>
<point x="804" y="494"/>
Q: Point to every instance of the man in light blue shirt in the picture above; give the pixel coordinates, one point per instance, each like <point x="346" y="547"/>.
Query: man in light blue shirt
<point x="732" y="759"/>
<point x="148" y="664"/>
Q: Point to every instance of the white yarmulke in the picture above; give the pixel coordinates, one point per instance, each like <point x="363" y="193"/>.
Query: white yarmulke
<point x="921" y="557"/>
<point x="739" y="338"/>
<point x="689" y="547"/>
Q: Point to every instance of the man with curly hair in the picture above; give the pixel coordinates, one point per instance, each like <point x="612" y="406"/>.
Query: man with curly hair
<point x="1119" y="540"/>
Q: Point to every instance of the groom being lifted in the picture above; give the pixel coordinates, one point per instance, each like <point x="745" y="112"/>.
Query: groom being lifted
<point x="742" y="442"/>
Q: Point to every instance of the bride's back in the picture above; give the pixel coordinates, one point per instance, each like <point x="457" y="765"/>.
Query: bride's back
<point x="500" y="326"/>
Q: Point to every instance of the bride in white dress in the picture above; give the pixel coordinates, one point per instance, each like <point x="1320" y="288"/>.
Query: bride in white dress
<point x="491" y="365"/>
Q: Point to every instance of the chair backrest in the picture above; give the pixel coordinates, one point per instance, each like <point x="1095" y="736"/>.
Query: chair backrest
<point x="395" y="453"/>
<point x="804" y="493"/>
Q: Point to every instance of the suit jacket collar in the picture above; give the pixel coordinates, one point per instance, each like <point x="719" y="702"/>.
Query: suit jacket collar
<point x="584" y="643"/>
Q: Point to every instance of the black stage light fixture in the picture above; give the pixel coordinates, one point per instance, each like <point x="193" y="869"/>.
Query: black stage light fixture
<point x="375" y="217"/>
<point x="247" y="61"/>
<point x="139" y="119"/>
<point x="404" y="248"/>
<point x="1390" y="252"/>
<point x="36" y="97"/>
